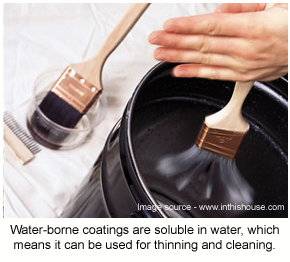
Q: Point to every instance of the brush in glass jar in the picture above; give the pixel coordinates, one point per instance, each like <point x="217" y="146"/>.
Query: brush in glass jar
<point x="209" y="166"/>
<point x="79" y="86"/>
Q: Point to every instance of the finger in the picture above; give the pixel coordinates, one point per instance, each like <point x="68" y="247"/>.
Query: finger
<point x="210" y="72"/>
<point x="238" y="63"/>
<point x="224" y="73"/>
<point x="202" y="43"/>
<point x="189" y="56"/>
<point x="240" y="8"/>
<point x="219" y="24"/>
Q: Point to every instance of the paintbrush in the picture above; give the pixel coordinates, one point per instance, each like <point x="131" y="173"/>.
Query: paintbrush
<point x="222" y="133"/>
<point x="209" y="166"/>
<point x="80" y="84"/>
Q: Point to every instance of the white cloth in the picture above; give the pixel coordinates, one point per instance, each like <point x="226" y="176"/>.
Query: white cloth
<point x="40" y="37"/>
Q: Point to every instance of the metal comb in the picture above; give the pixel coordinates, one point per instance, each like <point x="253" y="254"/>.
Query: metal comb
<point x="20" y="144"/>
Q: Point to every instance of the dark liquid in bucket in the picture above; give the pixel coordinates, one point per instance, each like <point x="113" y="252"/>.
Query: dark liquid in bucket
<point x="169" y="126"/>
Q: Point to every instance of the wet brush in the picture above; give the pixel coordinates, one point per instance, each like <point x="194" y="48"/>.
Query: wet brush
<point x="210" y="162"/>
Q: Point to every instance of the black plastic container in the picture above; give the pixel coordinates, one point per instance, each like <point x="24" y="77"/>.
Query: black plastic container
<point x="162" y="117"/>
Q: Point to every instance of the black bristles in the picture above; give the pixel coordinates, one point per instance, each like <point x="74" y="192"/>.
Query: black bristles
<point x="18" y="130"/>
<point x="59" y="112"/>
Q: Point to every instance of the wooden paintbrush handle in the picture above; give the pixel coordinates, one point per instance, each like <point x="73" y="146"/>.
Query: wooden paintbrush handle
<point x="230" y="117"/>
<point x="239" y="95"/>
<point x="91" y="69"/>
<point x="121" y="30"/>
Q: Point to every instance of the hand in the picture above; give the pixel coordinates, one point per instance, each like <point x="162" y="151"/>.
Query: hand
<point x="239" y="42"/>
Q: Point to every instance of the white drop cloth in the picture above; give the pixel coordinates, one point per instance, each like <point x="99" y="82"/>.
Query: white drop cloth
<point x="41" y="37"/>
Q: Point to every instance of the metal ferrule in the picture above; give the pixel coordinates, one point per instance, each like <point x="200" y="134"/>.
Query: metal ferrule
<point x="75" y="90"/>
<point x="222" y="142"/>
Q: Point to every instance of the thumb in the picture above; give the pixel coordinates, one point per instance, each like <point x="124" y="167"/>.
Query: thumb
<point x="240" y="8"/>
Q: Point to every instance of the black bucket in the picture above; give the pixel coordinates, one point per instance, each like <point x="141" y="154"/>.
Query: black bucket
<point x="163" y="117"/>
